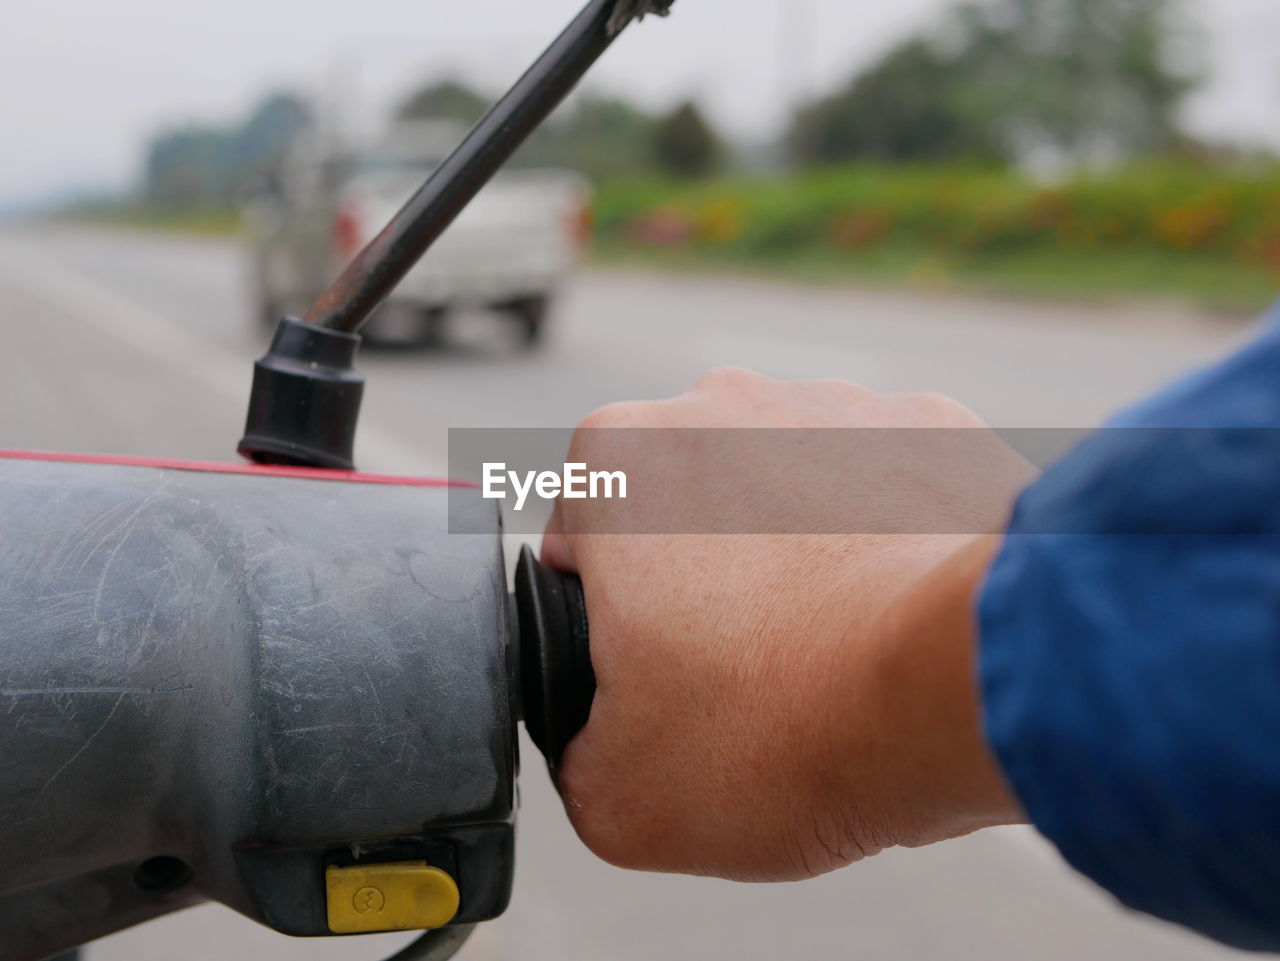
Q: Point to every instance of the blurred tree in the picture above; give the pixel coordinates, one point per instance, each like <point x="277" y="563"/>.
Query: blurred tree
<point x="907" y="107"/>
<point x="604" y="137"/>
<point x="609" y="136"/>
<point x="444" y="100"/>
<point x="1076" y="80"/>
<point x="205" y="165"/>
<point x="685" y="144"/>
<point x="1086" y="79"/>
<point x="187" y="166"/>
<point x="259" y="144"/>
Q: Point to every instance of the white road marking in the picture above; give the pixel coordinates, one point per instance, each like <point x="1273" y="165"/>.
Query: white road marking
<point x="223" y="372"/>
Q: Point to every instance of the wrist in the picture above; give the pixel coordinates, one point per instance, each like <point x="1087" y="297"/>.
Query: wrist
<point x="937" y="777"/>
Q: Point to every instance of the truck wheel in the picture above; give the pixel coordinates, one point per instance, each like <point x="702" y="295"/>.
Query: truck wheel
<point x="432" y="335"/>
<point x="401" y="326"/>
<point x="531" y="313"/>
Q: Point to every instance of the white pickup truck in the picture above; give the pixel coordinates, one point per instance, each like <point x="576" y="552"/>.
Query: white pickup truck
<point x="508" y="251"/>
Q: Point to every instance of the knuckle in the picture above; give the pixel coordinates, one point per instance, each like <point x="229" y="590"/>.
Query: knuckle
<point x="938" y="408"/>
<point x="729" y="378"/>
<point x="624" y="414"/>
<point x="841" y="388"/>
<point x="609" y="835"/>
<point x="605" y="841"/>
<point x="929" y="400"/>
<point x="613" y="816"/>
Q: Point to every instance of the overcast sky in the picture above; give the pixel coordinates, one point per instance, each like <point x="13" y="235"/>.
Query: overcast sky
<point x="83" y="82"/>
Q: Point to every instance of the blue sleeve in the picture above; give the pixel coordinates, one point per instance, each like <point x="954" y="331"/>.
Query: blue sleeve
<point x="1130" y="652"/>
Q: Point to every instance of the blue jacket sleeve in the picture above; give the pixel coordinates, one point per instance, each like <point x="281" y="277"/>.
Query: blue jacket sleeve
<point x="1130" y="652"/>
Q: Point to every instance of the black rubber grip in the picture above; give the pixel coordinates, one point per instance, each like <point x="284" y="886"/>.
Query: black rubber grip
<point x="557" y="681"/>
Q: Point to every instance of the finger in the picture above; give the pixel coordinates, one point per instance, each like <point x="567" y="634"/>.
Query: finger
<point x="557" y="552"/>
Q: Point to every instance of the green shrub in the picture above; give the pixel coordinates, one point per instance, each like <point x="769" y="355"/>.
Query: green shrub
<point x="958" y="213"/>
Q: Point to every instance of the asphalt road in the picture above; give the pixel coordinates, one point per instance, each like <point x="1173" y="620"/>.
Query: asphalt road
<point x="136" y="344"/>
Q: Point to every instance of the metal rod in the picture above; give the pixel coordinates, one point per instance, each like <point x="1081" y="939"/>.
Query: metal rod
<point x="376" y="270"/>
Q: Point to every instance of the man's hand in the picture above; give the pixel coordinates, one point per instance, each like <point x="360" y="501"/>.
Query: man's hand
<point x="772" y="707"/>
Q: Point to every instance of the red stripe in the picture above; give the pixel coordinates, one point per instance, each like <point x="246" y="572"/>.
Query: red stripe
<point x="253" y="470"/>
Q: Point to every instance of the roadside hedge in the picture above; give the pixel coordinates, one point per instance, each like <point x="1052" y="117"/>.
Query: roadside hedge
<point x="962" y="213"/>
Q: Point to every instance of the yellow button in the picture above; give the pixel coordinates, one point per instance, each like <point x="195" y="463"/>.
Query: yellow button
<point x="402" y="896"/>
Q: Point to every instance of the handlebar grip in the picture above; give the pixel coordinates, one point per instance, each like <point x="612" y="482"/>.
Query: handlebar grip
<point x="557" y="682"/>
